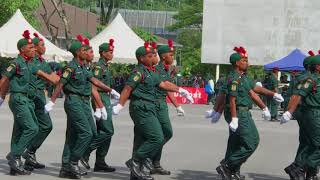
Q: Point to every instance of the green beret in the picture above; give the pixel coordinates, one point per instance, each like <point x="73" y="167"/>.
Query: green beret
<point x="314" y="59"/>
<point x="104" y="47"/>
<point x="141" y="51"/>
<point x="307" y="61"/>
<point x="164" y="49"/>
<point x="235" y="57"/>
<point x="75" y="45"/>
<point x="23" y="42"/>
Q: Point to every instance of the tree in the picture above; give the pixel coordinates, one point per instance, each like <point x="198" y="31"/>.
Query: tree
<point x="145" y="35"/>
<point x="27" y="7"/>
<point x="53" y="30"/>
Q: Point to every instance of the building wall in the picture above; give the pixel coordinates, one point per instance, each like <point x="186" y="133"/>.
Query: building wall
<point x="81" y="21"/>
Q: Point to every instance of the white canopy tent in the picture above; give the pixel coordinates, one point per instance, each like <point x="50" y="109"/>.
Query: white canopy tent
<point x="12" y="31"/>
<point x="125" y="41"/>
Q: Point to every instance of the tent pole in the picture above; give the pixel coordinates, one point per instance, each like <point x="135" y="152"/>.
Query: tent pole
<point x="279" y="75"/>
<point x="217" y="72"/>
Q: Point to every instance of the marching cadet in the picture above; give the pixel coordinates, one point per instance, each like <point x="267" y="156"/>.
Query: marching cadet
<point x="104" y="123"/>
<point x="166" y="54"/>
<point x="44" y="120"/>
<point x="304" y="107"/>
<point x="243" y="136"/>
<point x="74" y="82"/>
<point x="21" y="75"/>
<point x="271" y="83"/>
<point x="148" y="134"/>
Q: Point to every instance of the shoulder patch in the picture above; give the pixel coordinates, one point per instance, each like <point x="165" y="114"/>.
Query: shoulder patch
<point x="10" y="67"/>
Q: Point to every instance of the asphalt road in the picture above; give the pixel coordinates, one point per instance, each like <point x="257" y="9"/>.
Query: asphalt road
<point x="193" y="153"/>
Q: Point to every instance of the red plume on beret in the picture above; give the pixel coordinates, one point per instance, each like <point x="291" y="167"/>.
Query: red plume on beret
<point x="146" y="46"/>
<point x="111" y="46"/>
<point x="86" y="41"/>
<point x="26" y="35"/>
<point x="37" y="36"/>
<point x="319" y="52"/>
<point x="80" y="38"/>
<point x="170" y="44"/>
<point x="241" y="51"/>
<point x="311" y="53"/>
<point x="154" y="45"/>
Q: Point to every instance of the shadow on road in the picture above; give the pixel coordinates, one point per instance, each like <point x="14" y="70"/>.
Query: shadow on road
<point x="196" y="175"/>
<point x="264" y="177"/>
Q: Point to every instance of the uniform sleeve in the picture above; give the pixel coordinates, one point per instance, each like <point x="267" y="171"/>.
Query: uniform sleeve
<point x="223" y="87"/>
<point x="97" y="72"/>
<point x="233" y="88"/>
<point x="67" y="73"/>
<point x="47" y="68"/>
<point x="10" y="71"/>
<point x="134" y="79"/>
<point x="89" y="74"/>
<point x="305" y="87"/>
<point x="34" y="69"/>
<point x="157" y="79"/>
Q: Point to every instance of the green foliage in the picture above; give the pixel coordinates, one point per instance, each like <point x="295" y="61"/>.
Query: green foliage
<point x="121" y="69"/>
<point x="88" y="35"/>
<point x="146" y="36"/>
<point x="189" y="16"/>
<point x="81" y="3"/>
<point x="27" y="7"/>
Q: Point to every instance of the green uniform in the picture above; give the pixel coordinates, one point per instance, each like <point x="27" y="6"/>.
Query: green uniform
<point x="243" y="142"/>
<point x="44" y="120"/>
<point x="148" y="134"/>
<point x="23" y="91"/>
<point x="271" y="83"/>
<point x="298" y="115"/>
<point x="162" y="107"/>
<point x="79" y="134"/>
<point x="102" y="72"/>
<point x="308" y="89"/>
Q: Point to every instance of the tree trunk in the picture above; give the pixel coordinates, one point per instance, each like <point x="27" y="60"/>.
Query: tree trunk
<point x="102" y="19"/>
<point x="46" y="18"/>
<point x="62" y="15"/>
<point x="109" y="13"/>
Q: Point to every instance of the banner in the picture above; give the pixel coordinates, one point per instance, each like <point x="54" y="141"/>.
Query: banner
<point x="198" y="94"/>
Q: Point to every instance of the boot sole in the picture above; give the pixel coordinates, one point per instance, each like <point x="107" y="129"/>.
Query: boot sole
<point x="84" y="164"/>
<point x="222" y="173"/>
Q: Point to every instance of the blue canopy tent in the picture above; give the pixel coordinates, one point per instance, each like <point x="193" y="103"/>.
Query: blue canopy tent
<point x="293" y="61"/>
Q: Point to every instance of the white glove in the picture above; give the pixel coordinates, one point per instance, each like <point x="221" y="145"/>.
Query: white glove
<point x="234" y="124"/>
<point x="104" y="114"/>
<point x="285" y="117"/>
<point x="278" y="97"/>
<point x="266" y="114"/>
<point x="259" y="84"/>
<point x="115" y="94"/>
<point x="49" y="106"/>
<point x="116" y="109"/>
<point x="215" y="117"/>
<point x="1" y="101"/>
<point x="186" y="94"/>
<point x="97" y="114"/>
<point x="209" y="113"/>
<point x="180" y="111"/>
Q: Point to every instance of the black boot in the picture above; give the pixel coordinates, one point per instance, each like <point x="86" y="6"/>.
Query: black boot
<point x="132" y="177"/>
<point x="135" y="168"/>
<point x="298" y="173"/>
<point x="224" y="172"/>
<point x="16" y="166"/>
<point x="85" y="162"/>
<point x="311" y="176"/>
<point x="31" y="161"/>
<point x="65" y="173"/>
<point x="103" y="167"/>
<point x="290" y="170"/>
<point x="158" y="169"/>
<point x="238" y="174"/>
<point x="148" y="163"/>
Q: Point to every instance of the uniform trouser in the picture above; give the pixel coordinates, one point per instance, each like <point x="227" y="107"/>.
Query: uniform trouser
<point x="303" y="140"/>
<point x="104" y="127"/>
<point x="163" y="117"/>
<point x="312" y="129"/>
<point x="243" y="142"/>
<point x="148" y="135"/>
<point x="25" y="126"/>
<point x="79" y="128"/>
<point x="272" y="106"/>
<point x="44" y="122"/>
